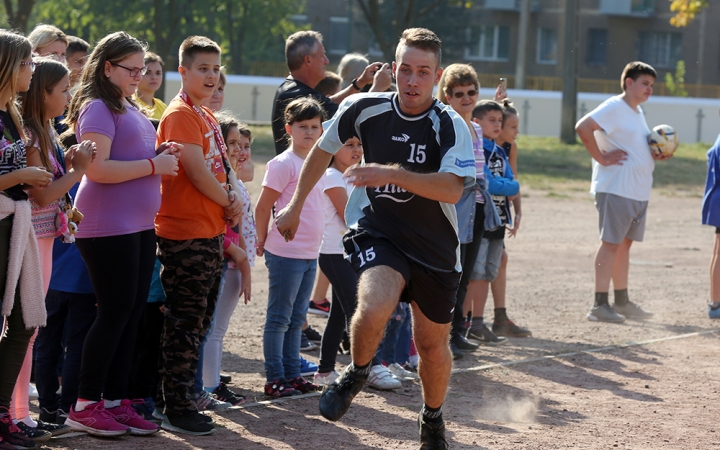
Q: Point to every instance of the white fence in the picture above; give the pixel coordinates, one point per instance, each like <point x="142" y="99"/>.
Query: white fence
<point x="250" y="98"/>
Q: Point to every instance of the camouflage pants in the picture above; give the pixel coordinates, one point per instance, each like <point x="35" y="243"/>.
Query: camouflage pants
<point x="190" y="276"/>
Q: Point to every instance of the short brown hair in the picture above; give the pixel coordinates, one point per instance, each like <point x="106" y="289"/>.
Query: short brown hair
<point x="330" y="85"/>
<point x="194" y="45"/>
<point x="485" y="106"/>
<point x="151" y="57"/>
<point x="303" y="108"/>
<point x="421" y="38"/>
<point x="299" y="45"/>
<point x="456" y="75"/>
<point x="634" y="70"/>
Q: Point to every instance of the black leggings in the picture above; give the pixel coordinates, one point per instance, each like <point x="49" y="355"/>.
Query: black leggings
<point x="344" y="282"/>
<point x="468" y="256"/>
<point x="120" y="269"/>
<point x="14" y="344"/>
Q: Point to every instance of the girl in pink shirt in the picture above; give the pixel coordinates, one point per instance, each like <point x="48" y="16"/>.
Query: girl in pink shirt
<point x="291" y="265"/>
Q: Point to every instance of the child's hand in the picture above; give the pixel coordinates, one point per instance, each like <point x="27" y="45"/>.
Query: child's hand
<point x="174" y="148"/>
<point x="657" y="157"/>
<point x="245" y="288"/>
<point x="512" y="232"/>
<point x="237" y="254"/>
<point x="166" y="163"/>
<point x="234" y="209"/>
<point x="82" y="156"/>
<point x="260" y="248"/>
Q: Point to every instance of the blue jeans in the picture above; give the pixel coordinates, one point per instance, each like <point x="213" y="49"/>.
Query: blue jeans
<point x="66" y="313"/>
<point x="396" y="342"/>
<point x="290" y="287"/>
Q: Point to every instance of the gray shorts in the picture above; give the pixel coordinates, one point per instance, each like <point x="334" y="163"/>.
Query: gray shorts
<point x="487" y="264"/>
<point x="620" y="218"/>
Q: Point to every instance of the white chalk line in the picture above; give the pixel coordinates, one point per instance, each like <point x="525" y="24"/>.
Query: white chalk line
<point x="472" y="369"/>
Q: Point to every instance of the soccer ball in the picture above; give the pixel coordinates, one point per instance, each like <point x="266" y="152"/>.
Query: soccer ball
<point x="663" y="140"/>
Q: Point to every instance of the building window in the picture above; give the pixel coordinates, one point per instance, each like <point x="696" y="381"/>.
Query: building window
<point x="642" y="6"/>
<point x="660" y="49"/>
<point x="488" y="43"/>
<point x="339" y="31"/>
<point x="597" y="47"/>
<point x="547" y="46"/>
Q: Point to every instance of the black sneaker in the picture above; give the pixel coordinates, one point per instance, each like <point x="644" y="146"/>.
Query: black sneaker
<point x="48" y="416"/>
<point x="33" y="433"/>
<point x="306" y="345"/>
<point x="225" y="378"/>
<point x="226" y="395"/>
<point x="320" y="309"/>
<point x="432" y="435"/>
<point x="159" y="416"/>
<point x="190" y="422"/>
<point x="303" y="386"/>
<point x="462" y="343"/>
<point x="508" y="328"/>
<point x="336" y="398"/>
<point x="456" y="353"/>
<point x="11" y="434"/>
<point x="485" y="336"/>
<point x="312" y="335"/>
<point x="56" y="429"/>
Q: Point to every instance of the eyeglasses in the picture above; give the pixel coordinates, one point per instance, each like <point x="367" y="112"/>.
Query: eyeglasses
<point x="470" y="93"/>
<point x="32" y="65"/>
<point x="133" y="72"/>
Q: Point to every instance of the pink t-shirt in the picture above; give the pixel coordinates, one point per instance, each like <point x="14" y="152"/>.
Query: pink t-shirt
<point x="113" y="209"/>
<point x="281" y="174"/>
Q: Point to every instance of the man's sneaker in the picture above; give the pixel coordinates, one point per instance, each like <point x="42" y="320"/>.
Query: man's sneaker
<point x="306" y="345"/>
<point x="33" y="433"/>
<point x="324" y="379"/>
<point x="12" y="435"/>
<point x="485" y="336"/>
<point x="303" y="386"/>
<point x="206" y="401"/>
<point x="400" y="373"/>
<point x="432" y="435"/>
<point x="95" y="420"/>
<point x="312" y="334"/>
<point x="279" y="388"/>
<point x="190" y="422"/>
<point x="307" y="368"/>
<point x="320" y="309"/>
<point x="508" y="328"/>
<point x="604" y="313"/>
<point x="56" y="429"/>
<point x="126" y="415"/>
<point x="381" y="378"/>
<point x="632" y="311"/>
<point x="336" y="398"/>
<point x="160" y="416"/>
<point x="713" y="313"/>
<point x="456" y="352"/>
<point x="225" y="378"/>
<point x="145" y="408"/>
<point x="48" y="416"/>
<point x="224" y="394"/>
<point x="462" y="343"/>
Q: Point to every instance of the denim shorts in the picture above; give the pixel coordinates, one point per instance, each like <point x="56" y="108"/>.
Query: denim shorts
<point x="487" y="264"/>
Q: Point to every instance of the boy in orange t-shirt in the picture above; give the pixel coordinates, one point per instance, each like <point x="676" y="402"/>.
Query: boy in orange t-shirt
<point x="190" y="227"/>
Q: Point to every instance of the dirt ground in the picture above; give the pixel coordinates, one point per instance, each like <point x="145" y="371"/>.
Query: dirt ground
<point x="657" y="395"/>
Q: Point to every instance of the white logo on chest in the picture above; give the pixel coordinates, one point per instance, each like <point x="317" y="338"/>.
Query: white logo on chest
<point x="403" y="138"/>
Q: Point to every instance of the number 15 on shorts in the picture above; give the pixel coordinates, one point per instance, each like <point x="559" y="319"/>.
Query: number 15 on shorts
<point x="366" y="256"/>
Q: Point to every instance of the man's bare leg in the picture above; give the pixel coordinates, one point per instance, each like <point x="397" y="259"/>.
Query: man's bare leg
<point x="621" y="268"/>
<point x="431" y="341"/>
<point x="604" y="264"/>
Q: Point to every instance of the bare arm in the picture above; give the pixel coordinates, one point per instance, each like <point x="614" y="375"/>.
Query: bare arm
<point x="31" y="176"/>
<point x="439" y="186"/>
<point x="81" y="158"/>
<point x="264" y="205"/>
<point x="585" y="129"/>
<point x="367" y="77"/>
<point x="338" y="196"/>
<point x="288" y="219"/>
<point x="193" y="161"/>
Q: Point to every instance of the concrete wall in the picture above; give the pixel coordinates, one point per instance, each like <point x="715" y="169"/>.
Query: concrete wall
<point x="250" y="99"/>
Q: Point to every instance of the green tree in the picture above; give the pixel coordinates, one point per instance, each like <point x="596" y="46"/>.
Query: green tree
<point x="676" y="83"/>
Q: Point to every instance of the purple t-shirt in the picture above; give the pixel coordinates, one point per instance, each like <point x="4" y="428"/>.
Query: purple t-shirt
<point x="113" y="209"/>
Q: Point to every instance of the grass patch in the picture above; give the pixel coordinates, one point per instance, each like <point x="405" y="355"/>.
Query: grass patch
<point x="549" y="165"/>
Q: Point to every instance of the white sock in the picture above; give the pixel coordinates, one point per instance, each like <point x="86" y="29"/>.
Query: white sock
<point x="112" y="403"/>
<point x="29" y="422"/>
<point x="81" y="405"/>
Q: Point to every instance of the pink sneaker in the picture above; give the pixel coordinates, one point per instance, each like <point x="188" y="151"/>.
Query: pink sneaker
<point x="126" y="415"/>
<point x="95" y="420"/>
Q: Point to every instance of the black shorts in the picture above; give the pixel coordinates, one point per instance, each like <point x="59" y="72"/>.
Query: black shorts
<point x="433" y="291"/>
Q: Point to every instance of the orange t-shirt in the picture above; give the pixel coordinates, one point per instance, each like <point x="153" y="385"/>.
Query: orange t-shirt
<point x="186" y="213"/>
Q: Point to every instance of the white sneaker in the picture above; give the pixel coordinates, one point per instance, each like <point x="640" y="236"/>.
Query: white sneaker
<point x="208" y="401"/>
<point x="325" y="379"/>
<point x="400" y="373"/>
<point x="381" y="378"/>
<point x="32" y="392"/>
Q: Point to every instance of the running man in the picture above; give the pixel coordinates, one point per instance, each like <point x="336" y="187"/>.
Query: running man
<point x="402" y="240"/>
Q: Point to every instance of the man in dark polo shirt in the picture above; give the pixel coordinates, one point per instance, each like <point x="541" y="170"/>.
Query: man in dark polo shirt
<point x="306" y="60"/>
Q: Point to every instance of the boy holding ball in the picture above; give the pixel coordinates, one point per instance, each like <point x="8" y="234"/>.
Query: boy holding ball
<point x="615" y="134"/>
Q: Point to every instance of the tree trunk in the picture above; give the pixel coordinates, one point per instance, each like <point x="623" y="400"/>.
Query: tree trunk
<point x="19" y="19"/>
<point x="521" y="62"/>
<point x="569" y="96"/>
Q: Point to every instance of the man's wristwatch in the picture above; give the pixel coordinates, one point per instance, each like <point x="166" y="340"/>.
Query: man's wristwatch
<point x="355" y="85"/>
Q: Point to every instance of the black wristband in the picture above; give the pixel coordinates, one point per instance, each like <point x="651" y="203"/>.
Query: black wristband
<point x="354" y="84"/>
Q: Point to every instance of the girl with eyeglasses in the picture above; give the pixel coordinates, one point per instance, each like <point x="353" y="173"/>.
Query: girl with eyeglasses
<point x="119" y="196"/>
<point x="23" y="303"/>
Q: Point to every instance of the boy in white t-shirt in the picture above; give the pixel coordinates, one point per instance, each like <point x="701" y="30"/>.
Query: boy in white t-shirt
<point x="615" y="134"/>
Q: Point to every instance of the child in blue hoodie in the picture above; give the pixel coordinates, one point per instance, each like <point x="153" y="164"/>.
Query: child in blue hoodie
<point x="711" y="216"/>
<point x="502" y="187"/>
